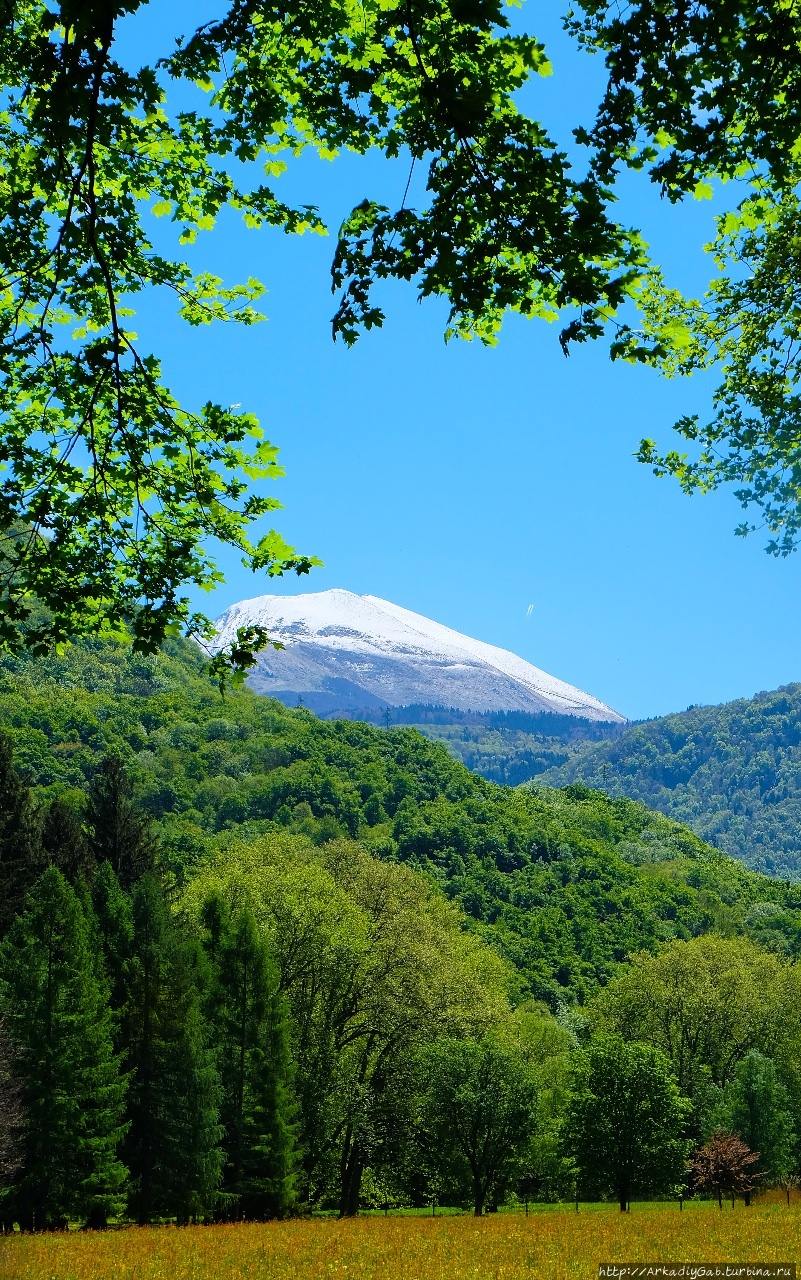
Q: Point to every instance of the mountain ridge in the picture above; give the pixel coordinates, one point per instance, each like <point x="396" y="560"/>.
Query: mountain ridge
<point x="346" y="652"/>
<point x="731" y="772"/>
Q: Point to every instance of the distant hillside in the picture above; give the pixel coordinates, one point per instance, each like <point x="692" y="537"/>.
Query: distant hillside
<point x="508" y="747"/>
<point x="732" y="773"/>
<point x="565" y="884"/>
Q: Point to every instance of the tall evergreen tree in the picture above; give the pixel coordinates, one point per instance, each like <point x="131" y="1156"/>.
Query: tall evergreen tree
<point x="64" y="843"/>
<point x="251" y="1030"/>
<point x="113" y="923"/>
<point x="11" y="1119"/>
<point x="172" y="1148"/>
<point x="119" y="832"/>
<point x="56" y="1011"/>
<point x="21" y="859"/>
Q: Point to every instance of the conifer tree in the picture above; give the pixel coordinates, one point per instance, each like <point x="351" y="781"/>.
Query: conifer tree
<point x="11" y="1115"/>
<point x="172" y="1147"/>
<point x="114" y="930"/>
<point x="64" y="844"/>
<point x="119" y="832"/>
<point x="56" y="1012"/>
<point x="20" y="849"/>
<point x="251" y="1031"/>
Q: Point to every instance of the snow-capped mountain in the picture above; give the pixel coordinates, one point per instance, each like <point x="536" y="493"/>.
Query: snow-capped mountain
<point x="345" y="652"/>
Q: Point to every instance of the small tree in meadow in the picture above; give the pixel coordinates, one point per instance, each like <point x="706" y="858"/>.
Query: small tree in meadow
<point x="725" y="1166"/>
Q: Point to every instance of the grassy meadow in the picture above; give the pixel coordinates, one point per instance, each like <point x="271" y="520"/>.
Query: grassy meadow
<point x="553" y="1243"/>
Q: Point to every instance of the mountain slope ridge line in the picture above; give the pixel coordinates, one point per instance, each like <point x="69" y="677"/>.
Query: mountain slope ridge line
<point x="344" y="651"/>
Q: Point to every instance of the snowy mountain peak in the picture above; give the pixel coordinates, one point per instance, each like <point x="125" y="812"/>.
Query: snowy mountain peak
<point x="345" y="652"/>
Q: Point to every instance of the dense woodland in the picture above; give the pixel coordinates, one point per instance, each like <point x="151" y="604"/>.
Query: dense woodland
<point x="256" y="964"/>
<point x="731" y="772"/>
<point x="510" y="747"/>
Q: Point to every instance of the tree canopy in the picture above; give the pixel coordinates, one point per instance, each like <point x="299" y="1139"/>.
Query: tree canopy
<point x="291" y="1011"/>
<point x="624" y="1121"/>
<point x="114" y="487"/>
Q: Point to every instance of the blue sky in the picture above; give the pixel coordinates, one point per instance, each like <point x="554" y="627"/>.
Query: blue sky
<point x="468" y="484"/>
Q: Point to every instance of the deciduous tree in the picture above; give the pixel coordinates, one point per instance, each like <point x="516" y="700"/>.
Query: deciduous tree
<point x="704" y="1003"/>
<point x="756" y="1108"/>
<point x="625" y="1121"/>
<point x="479" y="1114"/>
<point x="373" y="967"/>
<point x="725" y="1165"/>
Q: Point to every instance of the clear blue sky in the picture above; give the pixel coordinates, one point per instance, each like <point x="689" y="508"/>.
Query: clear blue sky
<point x="467" y="483"/>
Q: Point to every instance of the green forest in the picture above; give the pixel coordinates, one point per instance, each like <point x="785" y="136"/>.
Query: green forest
<point x="256" y="964"/>
<point x="510" y="747"/>
<point x="732" y="773"/>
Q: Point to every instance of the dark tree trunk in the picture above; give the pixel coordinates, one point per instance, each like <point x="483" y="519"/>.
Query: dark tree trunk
<point x="351" y="1184"/>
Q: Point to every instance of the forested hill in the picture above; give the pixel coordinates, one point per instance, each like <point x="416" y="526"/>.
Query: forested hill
<point x="565" y="884"/>
<point x="732" y="773"/>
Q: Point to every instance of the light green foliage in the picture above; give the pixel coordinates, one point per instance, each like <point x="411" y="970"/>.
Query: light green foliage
<point x="113" y="487"/>
<point x="282" y="936"/>
<point x="705" y="1004"/>
<point x="479" y="1113"/>
<point x="748" y="325"/>
<point x="553" y="879"/>
<point x="625" y="1119"/>
<point x="373" y="965"/>
<point x="55" y="1010"/>
<point x="701" y="96"/>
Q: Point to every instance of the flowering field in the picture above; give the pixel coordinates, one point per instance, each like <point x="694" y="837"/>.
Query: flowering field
<point x="553" y="1244"/>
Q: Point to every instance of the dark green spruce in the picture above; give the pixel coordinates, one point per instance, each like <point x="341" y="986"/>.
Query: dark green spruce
<point x="251" y="1032"/>
<point x="64" y="843"/>
<point x="119" y="832"/>
<point x="55" y="1008"/>
<point x="21" y="860"/>
<point x="172" y="1149"/>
